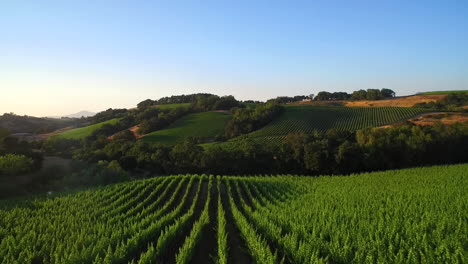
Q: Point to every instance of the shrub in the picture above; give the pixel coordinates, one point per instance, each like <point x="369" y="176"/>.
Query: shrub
<point x="11" y="164"/>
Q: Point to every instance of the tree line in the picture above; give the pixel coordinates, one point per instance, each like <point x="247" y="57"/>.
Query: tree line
<point x="174" y="99"/>
<point x="369" y="94"/>
<point x="331" y="152"/>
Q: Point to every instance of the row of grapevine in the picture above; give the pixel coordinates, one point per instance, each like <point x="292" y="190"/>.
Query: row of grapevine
<point x="405" y="216"/>
<point x="319" y="118"/>
<point x="221" y="229"/>
<point x="186" y="251"/>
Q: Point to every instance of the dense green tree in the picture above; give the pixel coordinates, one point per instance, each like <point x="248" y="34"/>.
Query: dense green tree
<point x="245" y="120"/>
<point x="373" y="94"/>
<point x="186" y="156"/>
<point x="124" y="136"/>
<point x="294" y="142"/>
<point x="359" y="95"/>
<point x="349" y="157"/>
<point x="386" y="93"/>
<point x="11" y="164"/>
<point x="317" y="157"/>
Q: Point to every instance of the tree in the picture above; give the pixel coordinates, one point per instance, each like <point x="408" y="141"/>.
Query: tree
<point x="295" y="142"/>
<point x="323" y="96"/>
<point x="11" y="164"/>
<point x="386" y="93"/>
<point x="128" y="163"/>
<point x="373" y="94"/>
<point x="146" y="103"/>
<point x="317" y="156"/>
<point x="4" y="133"/>
<point x="359" y="95"/>
<point x="348" y="157"/>
<point x="124" y="136"/>
<point x="186" y="156"/>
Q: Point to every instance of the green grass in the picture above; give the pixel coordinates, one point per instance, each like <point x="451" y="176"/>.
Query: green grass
<point x="416" y="215"/>
<point x="322" y="118"/>
<point x="82" y="132"/>
<point x="444" y="92"/>
<point x="204" y="125"/>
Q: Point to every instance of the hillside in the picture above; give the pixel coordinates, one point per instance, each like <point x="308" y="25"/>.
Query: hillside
<point x="82" y="132"/>
<point x="206" y="125"/>
<point x="405" y="101"/>
<point x="30" y="124"/>
<point x="402" y="101"/>
<point x="444" y="118"/>
<point x="445" y="92"/>
<point x="310" y="118"/>
<point x="200" y="219"/>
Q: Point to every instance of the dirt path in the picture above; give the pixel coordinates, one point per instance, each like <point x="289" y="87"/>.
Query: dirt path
<point x="134" y="130"/>
<point x="206" y="250"/>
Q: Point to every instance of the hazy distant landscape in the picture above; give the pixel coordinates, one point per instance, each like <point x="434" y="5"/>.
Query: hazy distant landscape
<point x="233" y="132"/>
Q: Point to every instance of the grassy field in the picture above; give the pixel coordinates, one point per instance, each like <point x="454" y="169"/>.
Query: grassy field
<point x="204" y="125"/>
<point x="445" y="92"/>
<point x="403" y="216"/>
<point x="82" y="132"/>
<point x="310" y="118"/>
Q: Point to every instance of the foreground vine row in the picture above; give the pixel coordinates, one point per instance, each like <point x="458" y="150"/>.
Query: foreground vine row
<point x="404" y="216"/>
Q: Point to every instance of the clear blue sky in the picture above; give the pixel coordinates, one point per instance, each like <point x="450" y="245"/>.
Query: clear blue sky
<point x="59" y="57"/>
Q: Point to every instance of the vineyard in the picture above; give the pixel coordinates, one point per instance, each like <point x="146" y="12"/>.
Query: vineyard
<point x="322" y="118"/>
<point x="206" y="125"/>
<point x="403" y="216"/>
<point x="82" y="132"/>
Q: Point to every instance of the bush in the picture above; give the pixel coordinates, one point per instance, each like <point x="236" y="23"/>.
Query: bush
<point x="11" y="164"/>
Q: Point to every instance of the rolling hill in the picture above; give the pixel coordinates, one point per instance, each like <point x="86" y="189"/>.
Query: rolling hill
<point x="322" y="118"/>
<point x="206" y="125"/>
<point x="445" y="92"/>
<point x="30" y="124"/>
<point x="82" y="132"/>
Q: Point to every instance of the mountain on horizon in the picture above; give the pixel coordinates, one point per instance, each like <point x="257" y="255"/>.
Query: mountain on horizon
<point x="77" y="115"/>
<point x="80" y="114"/>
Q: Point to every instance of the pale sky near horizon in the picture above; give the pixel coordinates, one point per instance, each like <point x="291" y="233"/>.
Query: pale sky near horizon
<point x="61" y="57"/>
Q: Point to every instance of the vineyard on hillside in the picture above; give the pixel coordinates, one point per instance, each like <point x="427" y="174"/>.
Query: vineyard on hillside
<point x="322" y="118"/>
<point x="403" y="216"/>
<point x="82" y="132"/>
<point x="205" y="125"/>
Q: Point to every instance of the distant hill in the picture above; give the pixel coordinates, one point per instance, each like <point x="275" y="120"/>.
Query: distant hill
<point x="80" y="114"/>
<point x="28" y="124"/>
<point x="76" y="115"/>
